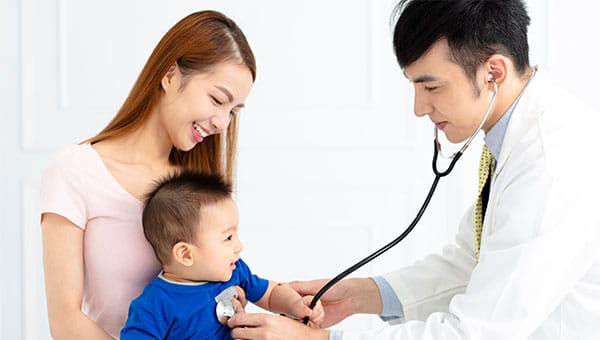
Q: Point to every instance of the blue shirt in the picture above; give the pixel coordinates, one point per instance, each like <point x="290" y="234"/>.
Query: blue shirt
<point x="189" y="310"/>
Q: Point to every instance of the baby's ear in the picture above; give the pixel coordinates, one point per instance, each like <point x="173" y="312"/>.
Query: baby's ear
<point x="182" y="252"/>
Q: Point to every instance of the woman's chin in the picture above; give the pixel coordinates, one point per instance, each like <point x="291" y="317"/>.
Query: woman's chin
<point x="185" y="147"/>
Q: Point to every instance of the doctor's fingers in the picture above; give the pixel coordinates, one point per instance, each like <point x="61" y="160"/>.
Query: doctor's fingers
<point x="241" y="296"/>
<point x="237" y="306"/>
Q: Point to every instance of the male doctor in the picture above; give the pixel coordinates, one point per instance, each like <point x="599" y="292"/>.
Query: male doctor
<point x="526" y="260"/>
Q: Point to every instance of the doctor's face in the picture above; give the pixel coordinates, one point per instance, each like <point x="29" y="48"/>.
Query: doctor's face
<point x="445" y="93"/>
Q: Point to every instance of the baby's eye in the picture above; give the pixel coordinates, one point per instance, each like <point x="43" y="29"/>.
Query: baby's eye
<point x="229" y="238"/>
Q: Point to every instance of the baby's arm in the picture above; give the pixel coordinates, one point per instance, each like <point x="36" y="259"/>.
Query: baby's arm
<point x="281" y="298"/>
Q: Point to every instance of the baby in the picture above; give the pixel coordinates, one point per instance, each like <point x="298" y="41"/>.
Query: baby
<point x="191" y="221"/>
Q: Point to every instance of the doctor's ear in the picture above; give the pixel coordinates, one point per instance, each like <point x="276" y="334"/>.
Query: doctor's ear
<point x="496" y="67"/>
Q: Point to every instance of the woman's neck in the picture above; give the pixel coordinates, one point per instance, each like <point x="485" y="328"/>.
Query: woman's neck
<point x="148" y="145"/>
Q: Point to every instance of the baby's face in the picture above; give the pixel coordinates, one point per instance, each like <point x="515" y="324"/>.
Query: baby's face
<point x="217" y="244"/>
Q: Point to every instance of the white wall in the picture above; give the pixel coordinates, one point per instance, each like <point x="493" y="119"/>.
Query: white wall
<point x="332" y="162"/>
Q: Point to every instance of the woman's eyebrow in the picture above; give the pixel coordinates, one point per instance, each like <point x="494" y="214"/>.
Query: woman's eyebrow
<point x="228" y="94"/>
<point x="226" y="91"/>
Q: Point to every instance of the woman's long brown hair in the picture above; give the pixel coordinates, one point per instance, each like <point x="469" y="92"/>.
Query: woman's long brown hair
<point x="197" y="43"/>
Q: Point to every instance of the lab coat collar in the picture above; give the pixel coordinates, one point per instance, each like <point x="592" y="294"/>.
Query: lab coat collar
<point x="533" y="99"/>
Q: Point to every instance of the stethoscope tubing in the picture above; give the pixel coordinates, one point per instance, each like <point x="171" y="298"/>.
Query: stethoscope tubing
<point x="377" y="253"/>
<point x="409" y="229"/>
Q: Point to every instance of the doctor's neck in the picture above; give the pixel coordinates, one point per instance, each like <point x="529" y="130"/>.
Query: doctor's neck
<point x="509" y="89"/>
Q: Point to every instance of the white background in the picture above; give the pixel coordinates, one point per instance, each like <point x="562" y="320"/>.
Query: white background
<point x="332" y="162"/>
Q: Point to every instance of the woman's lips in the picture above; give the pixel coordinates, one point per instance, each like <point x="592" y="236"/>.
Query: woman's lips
<point x="199" y="132"/>
<point x="197" y="136"/>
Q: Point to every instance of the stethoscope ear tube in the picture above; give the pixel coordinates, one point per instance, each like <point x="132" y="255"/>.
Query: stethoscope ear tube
<point x="435" y="157"/>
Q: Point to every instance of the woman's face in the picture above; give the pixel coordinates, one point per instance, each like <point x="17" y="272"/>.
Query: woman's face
<point x="205" y="105"/>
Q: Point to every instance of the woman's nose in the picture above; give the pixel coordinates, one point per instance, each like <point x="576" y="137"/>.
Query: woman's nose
<point x="220" y="121"/>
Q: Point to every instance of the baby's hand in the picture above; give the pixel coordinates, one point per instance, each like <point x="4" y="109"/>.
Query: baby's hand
<point x="317" y="314"/>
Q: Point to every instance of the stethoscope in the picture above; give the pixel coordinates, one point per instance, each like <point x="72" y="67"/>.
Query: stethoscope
<point x="225" y="308"/>
<point x="437" y="149"/>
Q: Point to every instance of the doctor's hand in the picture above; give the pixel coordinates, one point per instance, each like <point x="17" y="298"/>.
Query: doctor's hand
<point x="241" y="296"/>
<point x="272" y="327"/>
<point x="347" y="297"/>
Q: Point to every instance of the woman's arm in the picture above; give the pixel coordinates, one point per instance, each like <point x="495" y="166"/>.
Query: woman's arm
<point x="63" y="270"/>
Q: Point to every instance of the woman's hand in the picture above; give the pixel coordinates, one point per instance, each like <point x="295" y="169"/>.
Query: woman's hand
<point x="272" y="327"/>
<point x="347" y="297"/>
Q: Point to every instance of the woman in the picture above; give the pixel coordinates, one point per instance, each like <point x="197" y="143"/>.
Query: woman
<point x="96" y="259"/>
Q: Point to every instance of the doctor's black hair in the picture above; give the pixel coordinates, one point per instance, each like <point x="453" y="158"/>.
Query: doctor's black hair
<point x="173" y="208"/>
<point x="474" y="30"/>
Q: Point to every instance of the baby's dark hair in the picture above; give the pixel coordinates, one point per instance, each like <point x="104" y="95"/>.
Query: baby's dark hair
<point x="172" y="209"/>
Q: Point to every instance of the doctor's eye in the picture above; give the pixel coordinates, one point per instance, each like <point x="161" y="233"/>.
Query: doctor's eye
<point x="430" y="88"/>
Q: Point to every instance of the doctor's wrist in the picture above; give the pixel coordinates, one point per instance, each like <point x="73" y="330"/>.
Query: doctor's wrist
<point x="366" y="298"/>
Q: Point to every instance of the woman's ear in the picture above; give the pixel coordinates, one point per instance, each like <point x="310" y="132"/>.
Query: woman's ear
<point x="182" y="253"/>
<point x="167" y="79"/>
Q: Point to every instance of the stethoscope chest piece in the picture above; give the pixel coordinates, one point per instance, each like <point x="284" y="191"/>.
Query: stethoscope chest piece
<point x="225" y="308"/>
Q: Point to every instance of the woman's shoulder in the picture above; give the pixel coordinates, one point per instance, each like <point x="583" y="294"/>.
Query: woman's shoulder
<point x="72" y="162"/>
<point x="73" y="152"/>
<point x="70" y="157"/>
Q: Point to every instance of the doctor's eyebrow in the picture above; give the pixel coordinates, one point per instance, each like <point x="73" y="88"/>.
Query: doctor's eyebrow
<point x="228" y="94"/>
<point x="425" y="79"/>
<point x="421" y="79"/>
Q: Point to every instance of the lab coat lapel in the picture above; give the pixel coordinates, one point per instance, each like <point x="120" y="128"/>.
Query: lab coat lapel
<point x="525" y="115"/>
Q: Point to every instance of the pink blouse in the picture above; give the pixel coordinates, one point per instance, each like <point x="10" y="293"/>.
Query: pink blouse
<point x="118" y="261"/>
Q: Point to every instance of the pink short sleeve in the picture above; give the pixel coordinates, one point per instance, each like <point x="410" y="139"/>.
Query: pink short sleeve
<point x="62" y="189"/>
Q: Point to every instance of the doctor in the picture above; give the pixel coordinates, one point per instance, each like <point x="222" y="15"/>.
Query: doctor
<point x="532" y="269"/>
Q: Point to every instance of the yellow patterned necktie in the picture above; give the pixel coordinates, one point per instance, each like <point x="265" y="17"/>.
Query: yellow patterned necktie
<point x="486" y="169"/>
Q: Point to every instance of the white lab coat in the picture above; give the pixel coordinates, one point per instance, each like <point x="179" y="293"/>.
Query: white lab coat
<point x="538" y="275"/>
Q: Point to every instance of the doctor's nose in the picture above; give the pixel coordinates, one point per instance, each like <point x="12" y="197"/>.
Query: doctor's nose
<point x="421" y="106"/>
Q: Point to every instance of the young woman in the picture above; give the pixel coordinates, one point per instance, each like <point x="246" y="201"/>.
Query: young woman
<point x="180" y="114"/>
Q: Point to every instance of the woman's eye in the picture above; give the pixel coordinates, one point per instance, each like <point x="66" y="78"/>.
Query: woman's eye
<point x="432" y="88"/>
<point x="233" y="113"/>
<point x="218" y="102"/>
